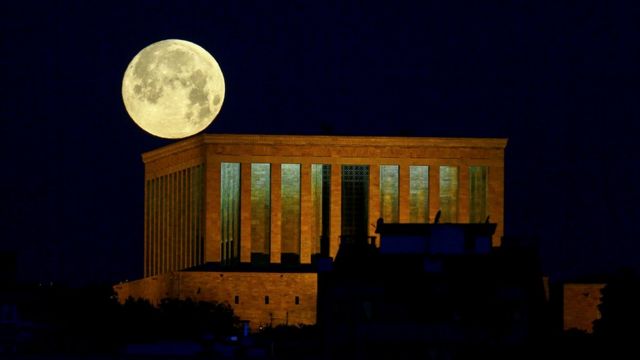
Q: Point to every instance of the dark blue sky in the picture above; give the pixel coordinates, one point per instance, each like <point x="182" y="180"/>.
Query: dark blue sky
<point x="561" y="80"/>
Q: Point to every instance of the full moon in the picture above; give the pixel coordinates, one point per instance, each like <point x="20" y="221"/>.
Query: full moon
<point x="173" y="89"/>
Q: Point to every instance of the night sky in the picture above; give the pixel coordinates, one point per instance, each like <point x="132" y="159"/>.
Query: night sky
<point x="560" y="80"/>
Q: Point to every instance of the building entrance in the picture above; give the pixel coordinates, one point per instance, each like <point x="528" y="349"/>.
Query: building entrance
<point x="355" y="200"/>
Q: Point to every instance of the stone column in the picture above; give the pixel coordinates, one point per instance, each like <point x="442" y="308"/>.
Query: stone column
<point x="305" y="213"/>
<point x="463" y="194"/>
<point x="434" y="191"/>
<point x="276" y="211"/>
<point x="496" y="202"/>
<point x="147" y="221"/>
<point x="153" y="221"/>
<point x="189" y="217"/>
<point x="171" y="228"/>
<point x="245" y="212"/>
<point x="336" y="209"/>
<point x="374" y="198"/>
<point x="403" y="193"/>
<point x="212" y="209"/>
<point x="162" y="224"/>
<point x="181" y="219"/>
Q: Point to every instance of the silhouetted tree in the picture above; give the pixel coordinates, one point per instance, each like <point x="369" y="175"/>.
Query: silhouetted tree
<point x="291" y="341"/>
<point x="71" y="319"/>
<point x="190" y="319"/>
<point x="620" y="309"/>
<point x="138" y="321"/>
<point x="91" y="320"/>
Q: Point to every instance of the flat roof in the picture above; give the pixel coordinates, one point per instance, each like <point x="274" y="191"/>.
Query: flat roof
<point x="323" y="140"/>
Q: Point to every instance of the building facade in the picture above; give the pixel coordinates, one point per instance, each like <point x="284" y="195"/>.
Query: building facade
<point x="271" y="203"/>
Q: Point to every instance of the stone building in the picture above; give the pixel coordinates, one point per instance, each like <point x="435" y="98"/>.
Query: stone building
<point x="580" y="305"/>
<point x="244" y="218"/>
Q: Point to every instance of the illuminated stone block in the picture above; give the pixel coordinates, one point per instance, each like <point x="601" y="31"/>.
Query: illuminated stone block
<point x="580" y="305"/>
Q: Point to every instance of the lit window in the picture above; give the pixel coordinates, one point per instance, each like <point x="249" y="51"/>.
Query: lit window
<point x="290" y="212"/>
<point x="449" y="194"/>
<point x="389" y="193"/>
<point x="419" y="194"/>
<point x="260" y="212"/>
<point x="478" y="182"/>
<point x="320" y="199"/>
<point x="230" y="211"/>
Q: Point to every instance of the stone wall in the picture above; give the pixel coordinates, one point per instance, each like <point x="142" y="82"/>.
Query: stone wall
<point x="250" y="289"/>
<point x="580" y="306"/>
